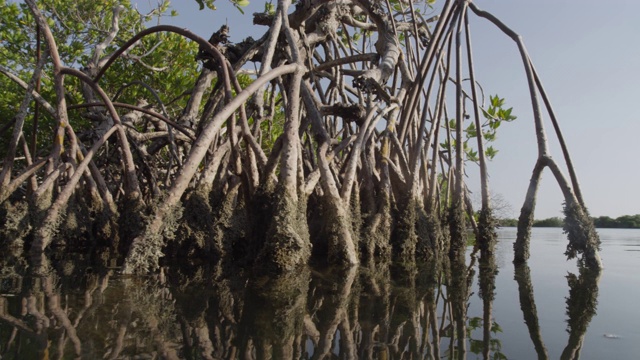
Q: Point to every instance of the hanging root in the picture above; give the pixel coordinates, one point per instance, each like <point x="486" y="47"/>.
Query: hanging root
<point x="14" y="224"/>
<point x="583" y="238"/>
<point x="405" y="238"/>
<point x="458" y="231"/>
<point x="287" y="245"/>
<point x="147" y="248"/>
<point x="195" y="228"/>
<point x="521" y="246"/>
<point x="430" y="236"/>
<point x="487" y="231"/>
<point x="130" y="221"/>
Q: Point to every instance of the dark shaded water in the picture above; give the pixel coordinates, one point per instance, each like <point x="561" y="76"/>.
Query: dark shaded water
<point x="548" y="309"/>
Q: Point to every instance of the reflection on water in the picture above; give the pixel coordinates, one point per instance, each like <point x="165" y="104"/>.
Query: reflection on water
<point x="68" y="309"/>
<point x="529" y="311"/>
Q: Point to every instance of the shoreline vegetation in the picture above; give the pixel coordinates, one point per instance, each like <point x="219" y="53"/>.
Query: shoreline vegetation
<point x="349" y="144"/>
<point x="600" y="222"/>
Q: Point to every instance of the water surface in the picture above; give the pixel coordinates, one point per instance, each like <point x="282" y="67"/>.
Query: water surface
<point x="74" y="308"/>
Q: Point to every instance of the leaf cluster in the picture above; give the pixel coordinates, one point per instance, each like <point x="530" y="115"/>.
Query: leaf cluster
<point x="477" y="346"/>
<point x="158" y="60"/>
<point x="210" y="4"/>
<point x="494" y="116"/>
<point x="621" y="222"/>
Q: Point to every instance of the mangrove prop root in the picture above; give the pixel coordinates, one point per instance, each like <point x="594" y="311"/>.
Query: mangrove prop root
<point x="331" y="119"/>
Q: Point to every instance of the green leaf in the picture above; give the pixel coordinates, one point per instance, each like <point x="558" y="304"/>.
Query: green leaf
<point x="490" y="152"/>
<point x="489" y="135"/>
<point x="475" y="322"/>
<point x="269" y="8"/>
<point x="471" y="131"/>
<point x="207" y="3"/>
<point x="496" y="101"/>
<point x="499" y="356"/>
<point x="476" y="346"/>
<point x="495" y="328"/>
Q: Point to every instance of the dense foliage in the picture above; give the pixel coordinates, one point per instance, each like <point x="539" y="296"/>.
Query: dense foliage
<point x="157" y="61"/>
<point x="622" y="222"/>
<point x="603" y="222"/>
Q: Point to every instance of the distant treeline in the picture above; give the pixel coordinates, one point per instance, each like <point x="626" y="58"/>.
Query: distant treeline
<point x="622" y="222"/>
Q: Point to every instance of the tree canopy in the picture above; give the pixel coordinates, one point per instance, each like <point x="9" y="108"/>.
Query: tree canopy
<point x="623" y="222"/>
<point x="604" y="222"/>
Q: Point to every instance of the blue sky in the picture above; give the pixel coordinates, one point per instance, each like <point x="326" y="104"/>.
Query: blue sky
<point x="588" y="56"/>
